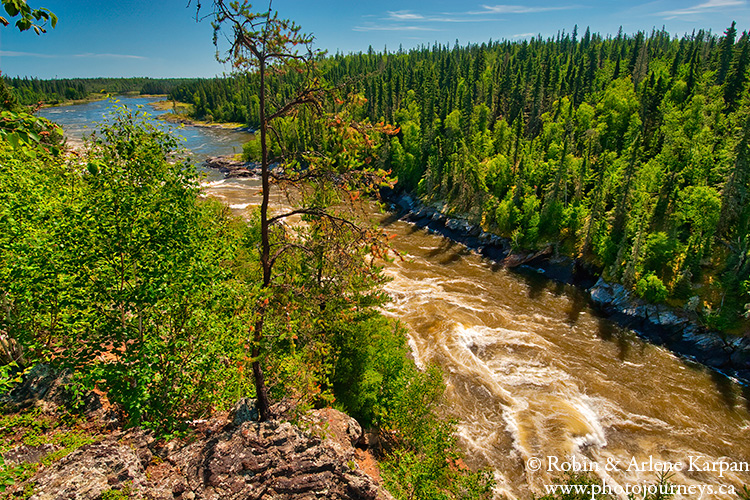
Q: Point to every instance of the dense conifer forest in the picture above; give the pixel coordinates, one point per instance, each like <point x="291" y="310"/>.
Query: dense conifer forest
<point x="629" y="151"/>
<point x="30" y="91"/>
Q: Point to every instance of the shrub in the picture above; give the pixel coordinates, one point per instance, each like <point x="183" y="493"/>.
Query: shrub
<point x="651" y="288"/>
<point x="115" y="269"/>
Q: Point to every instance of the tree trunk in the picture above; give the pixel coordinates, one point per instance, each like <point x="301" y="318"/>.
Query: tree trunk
<point x="265" y="256"/>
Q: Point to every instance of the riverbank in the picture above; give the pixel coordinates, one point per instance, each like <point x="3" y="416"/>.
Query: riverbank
<point x="97" y="96"/>
<point x="179" y="112"/>
<point x="675" y="329"/>
<point x="91" y="98"/>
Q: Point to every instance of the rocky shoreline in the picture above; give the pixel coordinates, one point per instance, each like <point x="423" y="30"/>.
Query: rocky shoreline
<point x="673" y="328"/>
<point x="187" y="121"/>
<point x="232" y="168"/>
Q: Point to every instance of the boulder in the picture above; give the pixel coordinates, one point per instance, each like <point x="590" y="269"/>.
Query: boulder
<point x="90" y="471"/>
<point x="231" y="167"/>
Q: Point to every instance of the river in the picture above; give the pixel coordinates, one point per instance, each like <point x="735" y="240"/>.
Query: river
<point x="533" y="372"/>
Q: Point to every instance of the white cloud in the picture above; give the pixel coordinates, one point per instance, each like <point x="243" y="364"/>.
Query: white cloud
<point x="109" y="56"/>
<point x="445" y="17"/>
<point x="392" y="27"/>
<point x="519" y="9"/>
<point x="13" y="53"/>
<point x="404" y="15"/>
<point x="710" y="5"/>
<point x="523" y="35"/>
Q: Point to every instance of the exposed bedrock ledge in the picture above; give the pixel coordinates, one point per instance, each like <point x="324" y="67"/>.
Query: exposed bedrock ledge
<point x="222" y="460"/>
<point x="659" y="324"/>
<point x="230" y="456"/>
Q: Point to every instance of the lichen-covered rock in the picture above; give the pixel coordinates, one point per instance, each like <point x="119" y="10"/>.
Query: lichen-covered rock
<point x="246" y="410"/>
<point x="269" y="460"/>
<point x="28" y="453"/>
<point x="90" y="471"/>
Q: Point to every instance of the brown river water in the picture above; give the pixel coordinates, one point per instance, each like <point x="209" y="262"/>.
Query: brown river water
<point x="534" y="373"/>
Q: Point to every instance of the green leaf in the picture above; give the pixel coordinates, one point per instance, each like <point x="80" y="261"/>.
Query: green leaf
<point x="23" y="24"/>
<point x="13" y="139"/>
<point x="11" y="9"/>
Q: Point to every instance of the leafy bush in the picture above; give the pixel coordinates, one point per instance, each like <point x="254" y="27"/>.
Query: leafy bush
<point x="114" y="268"/>
<point x="651" y="288"/>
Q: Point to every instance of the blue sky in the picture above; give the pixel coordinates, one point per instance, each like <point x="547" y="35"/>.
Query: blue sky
<point x="160" y="38"/>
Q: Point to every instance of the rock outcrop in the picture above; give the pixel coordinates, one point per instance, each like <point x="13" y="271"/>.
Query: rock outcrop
<point x="227" y="457"/>
<point x="269" y="460"/>
<point x="232" y="168"/>
<point x="675" y="329"/>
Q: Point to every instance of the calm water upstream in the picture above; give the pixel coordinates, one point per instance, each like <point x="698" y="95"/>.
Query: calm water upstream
<point x="82" y="119"/>
<point x="532" y="371"/>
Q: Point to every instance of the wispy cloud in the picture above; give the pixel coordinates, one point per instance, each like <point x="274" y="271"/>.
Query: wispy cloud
<point x="13" y="53"/>
<point x="520" y="9"/>
<point x="393" y="27"/>
<point x="711" y="5"/>
<point x="404" y="15"/>
<point x="524" y="35"/>
<point x="445" y="17"/>
<point x="109" y="56"/>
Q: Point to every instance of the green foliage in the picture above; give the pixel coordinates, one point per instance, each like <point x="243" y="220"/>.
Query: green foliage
<point x="123" y="494"/>
<point x="28" y="17"/>
<point x="251" y="149"/>
<point x="11" y="374"/>
<point x="424" y="461"/>
<point x="114" y="268"/>
<point x="651" y="288"/>
<point x="659" y="250"/>
<point x="29" y="134"/>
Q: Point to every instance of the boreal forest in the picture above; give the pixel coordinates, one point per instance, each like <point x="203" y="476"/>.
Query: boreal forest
<point x="148" y="302"/>
<point x="629" y="151"/>
<point x="31" y="91"/>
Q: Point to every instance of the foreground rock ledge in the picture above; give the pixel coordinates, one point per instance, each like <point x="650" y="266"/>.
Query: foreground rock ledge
<point x="270" y="460"/>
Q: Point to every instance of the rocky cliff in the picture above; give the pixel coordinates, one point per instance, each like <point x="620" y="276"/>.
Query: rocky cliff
<point x="225" y="457"/>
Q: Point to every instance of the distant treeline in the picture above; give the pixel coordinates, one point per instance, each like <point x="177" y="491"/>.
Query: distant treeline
<point x="30" y="91"/>
<point x="629" y="151"/>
